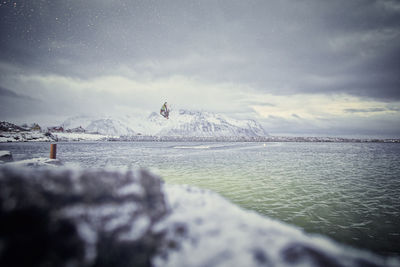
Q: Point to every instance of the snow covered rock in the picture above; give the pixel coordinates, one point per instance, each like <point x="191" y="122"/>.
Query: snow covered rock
<point x="26" y="137"/>
<point x="10" y="127"/>
<point x="76" y="130"/>
<point x="204" y="229"/>
<point x="108" y="218"/>
<point x="78" y="218"/>
<point x="5" y="156"/>
<point x="36" y="163"/>
<point x="12" y="133"/>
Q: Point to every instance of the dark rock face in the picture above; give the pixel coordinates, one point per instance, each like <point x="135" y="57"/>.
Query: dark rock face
<point x="6" y="156"/>
<point x="79" y="218"/>
<point x="297" y="252"/>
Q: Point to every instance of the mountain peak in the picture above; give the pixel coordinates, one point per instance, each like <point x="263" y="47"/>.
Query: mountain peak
<point x="182" y="122"/>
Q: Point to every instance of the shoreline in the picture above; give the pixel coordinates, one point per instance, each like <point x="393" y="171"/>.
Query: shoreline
<point x="10" y="137"/>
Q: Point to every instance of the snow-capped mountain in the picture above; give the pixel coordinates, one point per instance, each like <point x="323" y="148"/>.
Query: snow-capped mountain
<point x="205" y="124"/>
<point x="180" y="123"/>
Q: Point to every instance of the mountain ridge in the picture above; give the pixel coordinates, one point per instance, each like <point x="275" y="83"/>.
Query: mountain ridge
<point x="184" y="123"/>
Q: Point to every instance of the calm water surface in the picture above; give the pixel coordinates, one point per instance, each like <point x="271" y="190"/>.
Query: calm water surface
<point x="347" y="191"/>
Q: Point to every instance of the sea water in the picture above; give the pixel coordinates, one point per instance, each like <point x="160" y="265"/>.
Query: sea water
<point x="349" y="192"/>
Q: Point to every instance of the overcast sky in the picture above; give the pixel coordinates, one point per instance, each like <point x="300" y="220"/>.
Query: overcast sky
<point x="298" y="67"/>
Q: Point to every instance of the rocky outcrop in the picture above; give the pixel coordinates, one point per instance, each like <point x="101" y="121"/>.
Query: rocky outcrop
<point x="84" y="218"/>
<point x="10" y="127"/>
<point x="5" y="156"/>
<point x="13" y="133"/>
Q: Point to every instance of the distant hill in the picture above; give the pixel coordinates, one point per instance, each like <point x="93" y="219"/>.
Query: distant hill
<point x="105" y="126"/>
<point x="10" y="127"/>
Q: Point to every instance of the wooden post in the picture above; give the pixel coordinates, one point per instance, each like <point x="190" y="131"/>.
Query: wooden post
<point x="53" y="151"/>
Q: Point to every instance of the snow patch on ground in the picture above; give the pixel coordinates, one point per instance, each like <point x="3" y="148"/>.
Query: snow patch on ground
<point x="81" y="137"/>
<point x="193" y="147"/>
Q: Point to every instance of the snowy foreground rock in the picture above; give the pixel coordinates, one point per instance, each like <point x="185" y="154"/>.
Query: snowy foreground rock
<point x="62" y="217"/>
<point x="210" y="231"/>
<point x="84" y="218"/>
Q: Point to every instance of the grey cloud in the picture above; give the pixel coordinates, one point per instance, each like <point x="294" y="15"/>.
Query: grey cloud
<point x="278" y="47"/>
<point x="352" y="110"/>
<point x="272" y="45"/>
<point x="12" y="107"/>
<point x="5" y="92"/>
<point x="379" y="127"/>
<point x="296" y="116"/>
<point x="8" y="93"/>
<point x="371" y="110"/>
<point x="259" y="103"/>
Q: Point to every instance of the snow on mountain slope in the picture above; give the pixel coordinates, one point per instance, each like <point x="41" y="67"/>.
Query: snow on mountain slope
<point x="206" y="124"/>
<point x="77" y="121"/>
<point x="105" y="126"/>
<point x="180" y="123"/>
<point x="110" y="127"/>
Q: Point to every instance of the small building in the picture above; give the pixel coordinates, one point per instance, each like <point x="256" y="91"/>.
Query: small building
<point x="36" y="127"/>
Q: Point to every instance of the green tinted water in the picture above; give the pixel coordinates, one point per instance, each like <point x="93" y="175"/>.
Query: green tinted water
<point x="347" y="191"/>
